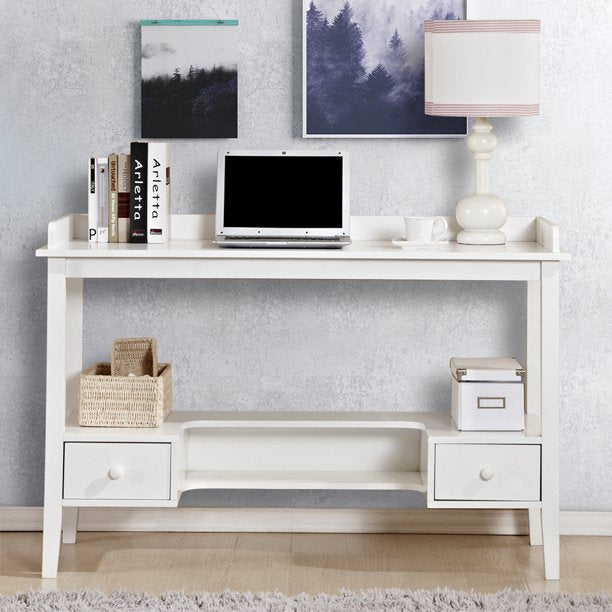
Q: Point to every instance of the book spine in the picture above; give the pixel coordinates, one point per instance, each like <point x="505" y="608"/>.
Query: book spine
<point x="158" y="197"/>
<point x="92" y="200"/>
<point x="123" y="197"/>
<point x="169" y="199"/>
<point x="113" y="207"/>
<point x="138" y="191"/>
<point x="102" y="199"/>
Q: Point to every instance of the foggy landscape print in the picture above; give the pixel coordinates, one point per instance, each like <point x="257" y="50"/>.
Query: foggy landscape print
<point x="364" y="64"/>
<point x="189" y="79"/>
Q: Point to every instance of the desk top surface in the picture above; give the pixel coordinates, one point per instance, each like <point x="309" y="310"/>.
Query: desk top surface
<point x="529" y="239"/>
<point x="359" y="250"/>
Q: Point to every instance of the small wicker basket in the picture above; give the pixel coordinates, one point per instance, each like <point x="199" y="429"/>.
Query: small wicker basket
<point x="122" y="401"/>
<point x="136" y="356"/>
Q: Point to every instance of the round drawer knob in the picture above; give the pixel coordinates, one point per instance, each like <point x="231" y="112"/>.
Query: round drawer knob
<point x="487" y="473"/>
<point x="115" y="472"/>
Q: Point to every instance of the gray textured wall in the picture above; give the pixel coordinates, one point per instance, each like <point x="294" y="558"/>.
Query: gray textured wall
<point x="70" y="88"/>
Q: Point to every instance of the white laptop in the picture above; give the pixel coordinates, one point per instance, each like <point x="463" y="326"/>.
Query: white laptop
<point x="285" y="199"/>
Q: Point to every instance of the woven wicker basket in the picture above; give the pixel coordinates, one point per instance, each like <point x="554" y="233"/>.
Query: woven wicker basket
<point x="136" y="356"/>
<point x="122" y="401"/>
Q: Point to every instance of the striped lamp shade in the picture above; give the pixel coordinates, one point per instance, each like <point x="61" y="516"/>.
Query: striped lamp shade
<point x="488" y="68"/>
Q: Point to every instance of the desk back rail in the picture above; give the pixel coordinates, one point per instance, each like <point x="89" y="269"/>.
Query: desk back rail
<point x="202" y="227"/>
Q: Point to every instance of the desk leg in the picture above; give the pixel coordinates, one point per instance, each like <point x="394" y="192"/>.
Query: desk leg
<point x="550" y="418"/>
<point x="535" y="527"/>
<point x="64" y="315"/>
<point x="70" y="516"/>
<point x="534" y="383"/>
<point x="74" y="367"/>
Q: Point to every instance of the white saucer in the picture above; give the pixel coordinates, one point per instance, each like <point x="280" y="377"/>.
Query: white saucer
<point x="417" y="245"/>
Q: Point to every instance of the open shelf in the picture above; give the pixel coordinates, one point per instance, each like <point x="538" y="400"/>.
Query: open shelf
<point x="438" y="426"/>
<point x="285" y="479"/>
<point x="302" y="453"/>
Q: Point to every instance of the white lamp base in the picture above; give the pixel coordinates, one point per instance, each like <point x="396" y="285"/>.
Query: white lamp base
<point x="482" y="214"/>
<point x="481" y="237"/>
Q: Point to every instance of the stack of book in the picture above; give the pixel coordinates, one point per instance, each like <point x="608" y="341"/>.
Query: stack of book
<point x="129" y="195"/>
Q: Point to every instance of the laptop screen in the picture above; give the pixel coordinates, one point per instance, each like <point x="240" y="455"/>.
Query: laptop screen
<point x="283" y="192"/>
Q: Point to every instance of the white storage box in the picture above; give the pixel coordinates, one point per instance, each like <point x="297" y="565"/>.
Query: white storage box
<point x="488" y="394"/>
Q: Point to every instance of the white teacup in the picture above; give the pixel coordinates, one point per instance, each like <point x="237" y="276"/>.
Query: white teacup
<point x="425" y="229"/>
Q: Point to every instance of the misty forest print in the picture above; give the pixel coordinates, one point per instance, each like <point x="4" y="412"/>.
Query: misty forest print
<point x="189" y="80"/>
<point x="365" y="67"/>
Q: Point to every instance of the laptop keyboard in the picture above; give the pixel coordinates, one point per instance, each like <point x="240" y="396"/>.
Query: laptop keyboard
<point x="288" y="239"/>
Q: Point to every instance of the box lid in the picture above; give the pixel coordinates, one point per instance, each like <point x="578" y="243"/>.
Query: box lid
<point x="487" y="369"/>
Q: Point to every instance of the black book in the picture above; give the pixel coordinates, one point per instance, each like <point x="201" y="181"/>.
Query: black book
<point x="139" y="153"/>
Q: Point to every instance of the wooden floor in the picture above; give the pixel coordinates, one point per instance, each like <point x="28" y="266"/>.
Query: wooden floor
<point x="292" y="563"/>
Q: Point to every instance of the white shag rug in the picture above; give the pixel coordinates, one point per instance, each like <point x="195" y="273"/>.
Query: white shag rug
<point x="367" y="600"/>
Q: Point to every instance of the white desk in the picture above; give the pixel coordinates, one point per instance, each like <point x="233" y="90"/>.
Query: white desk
<point x="291" y="450"/>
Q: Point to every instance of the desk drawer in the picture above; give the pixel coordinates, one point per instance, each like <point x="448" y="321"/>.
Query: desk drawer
<point x="487" y="472"/>
<point x="116" y="470"/>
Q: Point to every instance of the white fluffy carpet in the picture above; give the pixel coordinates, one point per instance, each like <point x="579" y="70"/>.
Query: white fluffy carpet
<point x="370" y="600"/>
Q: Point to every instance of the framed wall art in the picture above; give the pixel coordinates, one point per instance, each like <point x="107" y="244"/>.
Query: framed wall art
<point x="363" y="69"/>
<point x="189" y="78"/>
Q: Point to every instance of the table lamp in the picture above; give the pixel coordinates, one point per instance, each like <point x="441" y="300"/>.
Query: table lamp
<point x="482" y="68"/>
